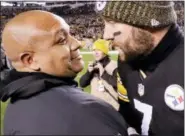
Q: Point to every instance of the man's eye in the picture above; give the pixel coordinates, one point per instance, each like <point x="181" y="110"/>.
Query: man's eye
<point x="62" y="41"/>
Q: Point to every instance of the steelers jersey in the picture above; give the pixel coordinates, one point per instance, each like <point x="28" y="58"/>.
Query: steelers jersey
<point x="155" y="88"/>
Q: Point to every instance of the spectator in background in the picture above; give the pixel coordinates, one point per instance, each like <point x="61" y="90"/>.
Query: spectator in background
<point x="102" y="74"/>
<point x="5" y="65"/>
<point x="2" y="60"/>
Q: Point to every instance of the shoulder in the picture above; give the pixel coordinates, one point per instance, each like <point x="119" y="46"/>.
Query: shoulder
<point x="90" y="105"/>
<point x="60" y="109"/>
<point x="175" y="61"/>
<point x="179" y="53"/>
<point x="101" y="114"/>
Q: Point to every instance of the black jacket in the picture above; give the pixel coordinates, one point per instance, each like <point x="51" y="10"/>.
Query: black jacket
<point x="41" y="104"/>
<point x="164" y="67"/>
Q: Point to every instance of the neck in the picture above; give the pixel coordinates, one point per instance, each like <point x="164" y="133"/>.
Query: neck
<point x="159" y="35"/>
<point x="104" y="61"/>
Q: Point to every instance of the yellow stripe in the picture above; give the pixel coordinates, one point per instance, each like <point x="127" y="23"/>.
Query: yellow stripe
<point x="122" y="92"/>
<point x="125" y="100"/>
<point x="122" y="89"/>
<point x="123" y="96"/>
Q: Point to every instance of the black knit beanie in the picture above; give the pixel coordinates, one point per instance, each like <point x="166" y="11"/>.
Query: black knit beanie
<point x="151" y="14"/>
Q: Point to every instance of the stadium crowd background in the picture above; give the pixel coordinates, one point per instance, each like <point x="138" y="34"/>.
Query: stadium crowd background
<point x="80" y="15"/>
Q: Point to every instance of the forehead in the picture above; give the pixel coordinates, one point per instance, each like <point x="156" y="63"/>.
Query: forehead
<point x="60" y="24"/>
<point x="108" y="20"/>
<point x="110" y="25"/>
<point x="115" y="26"/>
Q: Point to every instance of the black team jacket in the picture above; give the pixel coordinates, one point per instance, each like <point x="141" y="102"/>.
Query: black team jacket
<point x="41" y="104"/>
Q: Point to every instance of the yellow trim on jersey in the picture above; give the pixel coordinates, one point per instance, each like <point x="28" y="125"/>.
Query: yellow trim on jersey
<point x="123" y="98"/>
<point x="122" y="92"/>
<point x="143" y="74"/>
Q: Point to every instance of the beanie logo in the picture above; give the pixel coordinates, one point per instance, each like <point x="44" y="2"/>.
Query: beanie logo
<point x="100" y="5"/>
<point x="154" y="22"/>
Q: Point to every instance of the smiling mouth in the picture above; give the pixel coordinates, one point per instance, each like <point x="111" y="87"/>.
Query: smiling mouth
<point x="76" y="57"/>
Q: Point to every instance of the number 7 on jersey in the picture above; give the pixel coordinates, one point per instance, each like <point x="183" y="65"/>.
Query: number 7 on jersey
<point x="147" y="115"/>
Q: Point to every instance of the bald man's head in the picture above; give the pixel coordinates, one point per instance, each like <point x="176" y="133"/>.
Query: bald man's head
<point x="33" y="39"/>
<point x="21" y="33"/>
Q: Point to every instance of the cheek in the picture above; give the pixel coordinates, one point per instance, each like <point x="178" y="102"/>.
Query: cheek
<point x="60" y="56"/>
<point x="101" y="55"/>
<point x="95" y="54"/>
<point x="55" y="60"/>
<point x="126" y="32"/>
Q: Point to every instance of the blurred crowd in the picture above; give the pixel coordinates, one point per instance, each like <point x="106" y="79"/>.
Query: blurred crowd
<point x="85" y="26"/>
<point x="72" y="10"/>
<point x="179" y="7"/>
<point x="83" y="20"/>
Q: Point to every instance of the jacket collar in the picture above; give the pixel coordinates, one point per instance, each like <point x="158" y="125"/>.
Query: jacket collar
<point x="105" y="61"/>
<point x="19" y="85"/>
<point x="170" y="41"/>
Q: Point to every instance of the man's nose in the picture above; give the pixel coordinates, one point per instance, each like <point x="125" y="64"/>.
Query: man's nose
<point x="107" y="35"/>
<point x="75" y="44"/>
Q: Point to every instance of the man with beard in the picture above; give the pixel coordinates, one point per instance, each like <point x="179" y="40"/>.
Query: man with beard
<point x="151" y="64"/>
<point x="44" y="98"/>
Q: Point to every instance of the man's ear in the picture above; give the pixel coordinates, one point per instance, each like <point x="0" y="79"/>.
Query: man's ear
<point x="27" y="58"/>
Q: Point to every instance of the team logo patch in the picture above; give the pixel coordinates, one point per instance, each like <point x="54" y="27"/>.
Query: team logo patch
<point x="174" y="97"/>
<point x="141" y="89"/>
<point x="100" y="5"/>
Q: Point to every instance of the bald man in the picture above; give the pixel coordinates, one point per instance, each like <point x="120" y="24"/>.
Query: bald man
<point x="44" y="98"/>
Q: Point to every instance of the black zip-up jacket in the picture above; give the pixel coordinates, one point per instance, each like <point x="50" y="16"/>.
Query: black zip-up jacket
<point x="41" y="104"/>
<point x="156" y="102"/>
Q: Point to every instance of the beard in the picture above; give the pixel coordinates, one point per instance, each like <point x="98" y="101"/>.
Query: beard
<point x="139" y="43"/>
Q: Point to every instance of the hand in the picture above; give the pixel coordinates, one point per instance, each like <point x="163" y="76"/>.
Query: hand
<point x="90" y="67"/>
<point x="100" y="68"/>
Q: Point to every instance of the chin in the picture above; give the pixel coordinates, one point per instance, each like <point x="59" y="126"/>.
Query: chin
<point x="98" y="59"/>
<point x="78" y="67"/>
<point x="75" y="72"/>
